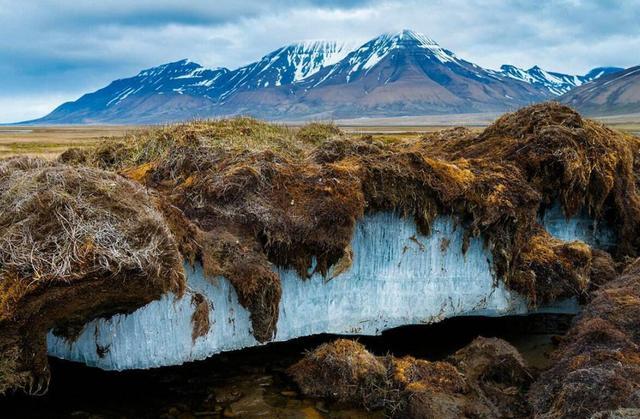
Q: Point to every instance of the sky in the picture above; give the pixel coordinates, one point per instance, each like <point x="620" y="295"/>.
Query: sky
<point x="52" y="51"/>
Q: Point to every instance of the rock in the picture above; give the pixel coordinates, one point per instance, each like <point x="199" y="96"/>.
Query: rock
<point x="226" y="395"/>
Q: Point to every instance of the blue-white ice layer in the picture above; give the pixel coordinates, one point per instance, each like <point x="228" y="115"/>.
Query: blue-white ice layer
<point x="398" y="277"/>
<point x="582" y="227"/>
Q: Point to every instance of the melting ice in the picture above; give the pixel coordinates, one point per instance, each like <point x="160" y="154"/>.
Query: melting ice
<point x="398" y="277"/>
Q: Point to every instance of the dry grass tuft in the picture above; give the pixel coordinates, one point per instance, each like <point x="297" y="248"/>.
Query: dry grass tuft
<point x="316" y="133"/>
<point x="75" y="244"/>
<point x="246" y="194"/>
<point x="485" y="379"/>
<point x="343" y="371"/>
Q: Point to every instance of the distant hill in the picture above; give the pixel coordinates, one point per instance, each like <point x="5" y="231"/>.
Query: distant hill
<point x="555" y="83"/>
<point x="617" y="93"/>
<point x="397" y="74"/>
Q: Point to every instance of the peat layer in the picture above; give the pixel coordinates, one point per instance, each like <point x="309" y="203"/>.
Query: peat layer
<point x="240" y="195"/>
<point x="597" y="367"/>
<point x="75" y="243"/>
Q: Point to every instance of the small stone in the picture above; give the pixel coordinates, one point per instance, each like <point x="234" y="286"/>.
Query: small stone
<point x="289" y="393"/>
<point x="226" y="396"/>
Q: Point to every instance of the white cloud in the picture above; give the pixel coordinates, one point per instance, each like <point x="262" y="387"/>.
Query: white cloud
<point x="18" y="108"/>
<point x="74" y="46"/>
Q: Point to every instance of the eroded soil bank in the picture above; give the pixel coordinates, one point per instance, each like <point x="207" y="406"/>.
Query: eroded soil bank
<point x="105" y="232"/>
<point x="254" y="382"/>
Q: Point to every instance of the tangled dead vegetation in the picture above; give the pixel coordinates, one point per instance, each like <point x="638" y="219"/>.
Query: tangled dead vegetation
<point x="486" y="379"/>
<point x="240" y="195"/>
<point x="245" y="194"/>
<point x="597" y="367"/>
<point x="343" y="371"/>
<point x="75" y="244"/>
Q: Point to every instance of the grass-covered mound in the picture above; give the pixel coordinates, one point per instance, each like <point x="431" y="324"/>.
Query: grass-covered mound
<point x="75" y="244"/>
<point x="597" y="367"/>
<point x="242" y="194"/>
<point x="485" y="379"/>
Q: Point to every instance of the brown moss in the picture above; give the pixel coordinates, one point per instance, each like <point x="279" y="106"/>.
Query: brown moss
<point x="77" y="243"/>
<point x="578" y="162"/>
<point x="250" y="194"/>
<point x="597" y="367"/>
<point x="74" y="156"/>
<point x="486" y="379"/>
<point x="343" y="371"/>
<point x="498" y="369"/>
<point x="417" y="375"/>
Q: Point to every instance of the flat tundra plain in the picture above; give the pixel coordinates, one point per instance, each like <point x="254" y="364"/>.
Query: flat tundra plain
<point x="50" y="141"/>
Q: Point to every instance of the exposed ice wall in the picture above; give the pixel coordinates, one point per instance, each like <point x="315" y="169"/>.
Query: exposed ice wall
<point x="398" y="277"/>
<point x="581" y="227"/>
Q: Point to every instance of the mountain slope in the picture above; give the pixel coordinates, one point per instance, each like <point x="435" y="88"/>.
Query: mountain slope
<point x="396" y="74"/>
<point x="183" y="89"/>
<point x="178" y="88"/>
<point x="555" y="83"/>
<point x="284" y="66"/>
<point x="617" y="93"/>
<point x="408" y="73"/>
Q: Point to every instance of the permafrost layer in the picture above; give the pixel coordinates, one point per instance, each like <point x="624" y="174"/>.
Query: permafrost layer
<point x="582" y="227"/>
<point x="398" y="277"/>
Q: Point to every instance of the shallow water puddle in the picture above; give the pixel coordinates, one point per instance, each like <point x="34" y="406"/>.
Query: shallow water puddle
<point x="253" y="383"/>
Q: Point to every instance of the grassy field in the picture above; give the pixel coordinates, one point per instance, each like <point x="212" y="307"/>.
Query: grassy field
<point x="49" y="142"/>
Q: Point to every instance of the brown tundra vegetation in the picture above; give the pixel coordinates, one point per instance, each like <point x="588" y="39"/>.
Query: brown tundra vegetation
<point x="240" y="195"/>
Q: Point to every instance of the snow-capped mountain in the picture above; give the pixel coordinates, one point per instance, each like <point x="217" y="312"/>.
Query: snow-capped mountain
<point x="171" y="91"/>
<point x="363" y="59"/>
<point x="611" y="94"/>
<point x="407" y="73"/>
<point x="285" y="65"/>
<point x="402" y="73"/>
<point x="556" y="83"/>
<point x="184" y="89"/>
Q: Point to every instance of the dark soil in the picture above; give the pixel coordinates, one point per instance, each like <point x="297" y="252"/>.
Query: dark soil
<point x="253" y="382"/>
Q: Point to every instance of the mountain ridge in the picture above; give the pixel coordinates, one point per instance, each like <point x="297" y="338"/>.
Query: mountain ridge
<point x="613" y="94"/>
<point x="394" y="74"/>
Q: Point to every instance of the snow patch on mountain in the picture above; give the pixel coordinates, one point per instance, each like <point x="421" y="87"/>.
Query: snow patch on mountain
<point x="556" y="83"/>
<point x="309" y="57"/>
<point x="371" y="53"/>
